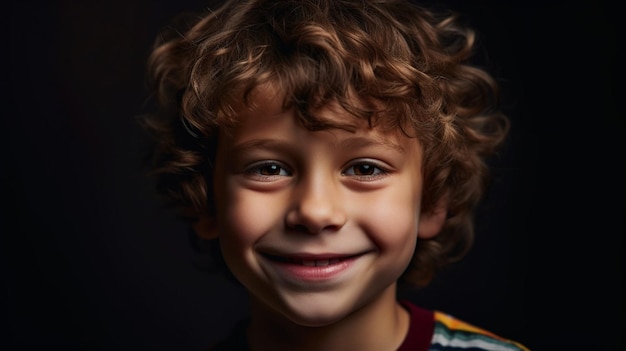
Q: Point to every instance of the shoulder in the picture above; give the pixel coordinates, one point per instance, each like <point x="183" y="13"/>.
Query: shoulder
<point x="451" y="334"/>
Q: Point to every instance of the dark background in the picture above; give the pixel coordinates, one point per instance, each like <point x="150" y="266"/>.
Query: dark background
<point x="92" y="263"/>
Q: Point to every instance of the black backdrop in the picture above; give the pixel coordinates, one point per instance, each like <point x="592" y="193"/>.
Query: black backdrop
<point x="92" y="263"/>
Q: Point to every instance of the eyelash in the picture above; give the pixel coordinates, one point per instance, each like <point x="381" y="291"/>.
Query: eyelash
<point x="377" y="171"/>
<point x="256" y="170"/>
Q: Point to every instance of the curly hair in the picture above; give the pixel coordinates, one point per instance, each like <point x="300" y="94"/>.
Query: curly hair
<point x="411" y="63"/>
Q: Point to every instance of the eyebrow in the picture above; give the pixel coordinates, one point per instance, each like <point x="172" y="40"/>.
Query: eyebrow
<point x="362" y="142"/>
<point x="348" y="143"/>
<point x="267" y="144"/>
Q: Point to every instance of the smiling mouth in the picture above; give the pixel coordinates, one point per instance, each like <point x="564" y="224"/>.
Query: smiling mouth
<point x="310" y="262"/>
<point x="312" y="271"/>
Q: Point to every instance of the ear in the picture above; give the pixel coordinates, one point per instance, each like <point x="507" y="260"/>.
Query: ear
<point x="431" y="222"/>
<point x="205" y="227"/>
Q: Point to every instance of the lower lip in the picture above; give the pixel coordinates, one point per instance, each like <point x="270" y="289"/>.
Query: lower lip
<point x="314" y="273"/>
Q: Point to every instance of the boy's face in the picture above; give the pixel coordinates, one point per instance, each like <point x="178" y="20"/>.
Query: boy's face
<point x="315" y="224"/>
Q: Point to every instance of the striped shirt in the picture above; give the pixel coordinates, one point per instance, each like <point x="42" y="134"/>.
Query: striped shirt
<point x="438" y="331"/>
<point x="428" y="331"/>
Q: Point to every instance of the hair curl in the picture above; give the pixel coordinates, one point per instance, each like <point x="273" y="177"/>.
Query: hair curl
<point x="412" y="63"/>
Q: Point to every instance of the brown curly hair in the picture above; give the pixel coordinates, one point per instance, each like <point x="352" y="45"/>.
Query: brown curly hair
<point x="413" y="62"/>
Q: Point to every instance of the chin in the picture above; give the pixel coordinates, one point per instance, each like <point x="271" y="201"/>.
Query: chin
<point x="315" y="312"/>
<point x="313" y="320"/>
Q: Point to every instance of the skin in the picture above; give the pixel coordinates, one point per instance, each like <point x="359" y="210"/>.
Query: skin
<point x="288" y="198"/>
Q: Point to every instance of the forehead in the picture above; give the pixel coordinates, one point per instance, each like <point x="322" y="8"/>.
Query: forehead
<point x="348" y="111"/>
<point x="267" y="112"/>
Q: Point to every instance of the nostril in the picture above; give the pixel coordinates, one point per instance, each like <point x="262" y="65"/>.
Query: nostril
<point x="306" y="229"/>
<point x="313" y="215"/>
<point x="301" y="228"/>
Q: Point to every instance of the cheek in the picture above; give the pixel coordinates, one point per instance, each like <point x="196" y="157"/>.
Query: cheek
<point x="392" y="219"/>
<point x="243" y="219"/>
<point x="245" y="216"/>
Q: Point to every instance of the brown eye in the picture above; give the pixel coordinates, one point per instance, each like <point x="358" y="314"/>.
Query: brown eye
<point x="269" y="169"/>
<point x="363" y="169"/>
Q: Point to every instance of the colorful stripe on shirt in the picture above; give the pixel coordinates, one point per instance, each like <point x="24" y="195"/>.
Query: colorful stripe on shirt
<point x="452" y="334"/>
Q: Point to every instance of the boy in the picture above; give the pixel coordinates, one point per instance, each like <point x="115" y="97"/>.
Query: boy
<point x="333" y="151"/>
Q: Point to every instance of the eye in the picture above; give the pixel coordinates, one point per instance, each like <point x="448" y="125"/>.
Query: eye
<point x="268" y="169"/>
<point x="365" y="170"/>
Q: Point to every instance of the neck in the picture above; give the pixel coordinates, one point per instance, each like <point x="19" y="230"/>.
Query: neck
<point x="381" y="324"/>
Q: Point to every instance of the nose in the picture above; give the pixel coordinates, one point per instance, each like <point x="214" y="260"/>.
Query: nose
<point x="316" y="206"/>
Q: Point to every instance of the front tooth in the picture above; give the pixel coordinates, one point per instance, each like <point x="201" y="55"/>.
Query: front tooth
<point x="308" y="262"/>
<point x="321" y="263"/>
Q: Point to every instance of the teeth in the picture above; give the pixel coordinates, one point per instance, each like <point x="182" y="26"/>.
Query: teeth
<point x="321" y="263"/>
<point x="311" y="263"/>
